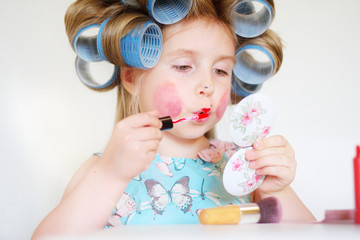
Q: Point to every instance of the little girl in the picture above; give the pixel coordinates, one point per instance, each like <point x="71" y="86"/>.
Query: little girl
<point x="149" y="176"/>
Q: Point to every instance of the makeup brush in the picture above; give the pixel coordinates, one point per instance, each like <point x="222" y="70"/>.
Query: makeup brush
<point x="267" y="210"/>
<point x="168" y="123"/>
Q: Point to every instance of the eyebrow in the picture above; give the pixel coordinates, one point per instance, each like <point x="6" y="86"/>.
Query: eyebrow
<point x="187" y="52"/>
<point x="181" y="51"/>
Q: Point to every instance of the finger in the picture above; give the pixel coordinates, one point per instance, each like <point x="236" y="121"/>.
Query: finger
<point x="280" y="172"/>
<point x="141" y="148"/>
<point x="147" y="133"/>
<point x="140" y="134"/>
<point x="273" y="141"/>
<point x="271" y="160"/>
<point x="154" y="112"/>
<point x="148" y="146"/>
<point x="150" y="150"/>
<point x="253" y="154"/>
<point x="144" y="120"/>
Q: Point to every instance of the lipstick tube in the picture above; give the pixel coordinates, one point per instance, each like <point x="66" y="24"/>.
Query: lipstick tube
<point x="357" y="184"/>
<point x="167" y="123"/>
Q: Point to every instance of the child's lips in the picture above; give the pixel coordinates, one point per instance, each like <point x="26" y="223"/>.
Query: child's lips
<point x="203" y="115"/>
<point x="205" y="110"/>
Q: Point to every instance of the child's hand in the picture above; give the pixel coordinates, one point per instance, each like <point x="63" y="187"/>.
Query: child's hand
<point x="133" y="145"/>
<point x="275" y="158"/>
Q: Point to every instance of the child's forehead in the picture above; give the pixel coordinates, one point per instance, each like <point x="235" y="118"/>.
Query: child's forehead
<point x="188" y="26"/>
<point x="198" y="37"/>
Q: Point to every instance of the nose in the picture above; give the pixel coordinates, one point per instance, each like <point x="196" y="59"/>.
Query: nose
<point x="206" y="85"/>
<point x="206" y="90"/>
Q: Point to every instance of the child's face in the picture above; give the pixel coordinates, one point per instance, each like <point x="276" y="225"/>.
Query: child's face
<point x="194" y="72"/>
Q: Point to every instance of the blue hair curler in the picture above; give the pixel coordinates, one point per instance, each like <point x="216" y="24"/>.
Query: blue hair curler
<point x="251" y="18"/>
<point x="141" y="47"/>
<point x="83" y="71"/>
<point x="164" y="11"/>
<point x="85" y="43"/>
<point x="88" y="48"/>
<point x="99" y="40"/>
<point x="168" y="11"/>
<point x="132" y="3"/>
<point x="253" y="64"/>
<point x="243" y="89"/>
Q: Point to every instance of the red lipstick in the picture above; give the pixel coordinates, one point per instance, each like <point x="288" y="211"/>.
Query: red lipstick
<point x="357" y="184"/>
<point x="206" y="110"/>
<point x="168" y="123"/>
<point x="195" y="117"/>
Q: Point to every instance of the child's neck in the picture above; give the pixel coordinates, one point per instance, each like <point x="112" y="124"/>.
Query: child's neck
<point x="173" y="146"/>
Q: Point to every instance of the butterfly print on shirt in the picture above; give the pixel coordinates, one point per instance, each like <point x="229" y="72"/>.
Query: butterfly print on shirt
<point x="126" y="208"/>
<point x="209" y="195"/>
<point x="163" y="166"/>
<point x="161" y="198"/>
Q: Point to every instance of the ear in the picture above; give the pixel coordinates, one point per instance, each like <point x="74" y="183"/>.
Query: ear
<point x="128" y="79"/>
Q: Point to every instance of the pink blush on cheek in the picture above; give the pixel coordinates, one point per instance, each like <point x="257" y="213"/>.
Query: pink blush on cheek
<point x="167" y="101"/>
<point x="223" y="103"/>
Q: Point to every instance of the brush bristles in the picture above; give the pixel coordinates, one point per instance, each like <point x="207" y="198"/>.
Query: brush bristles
<point x="270" y="210"/>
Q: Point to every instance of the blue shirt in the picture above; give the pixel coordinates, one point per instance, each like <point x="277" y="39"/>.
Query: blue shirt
<point x="173" y="191"/>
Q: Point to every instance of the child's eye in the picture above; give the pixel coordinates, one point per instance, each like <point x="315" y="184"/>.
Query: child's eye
<point x="221" y="72"/>
<point x="181" y="68"/>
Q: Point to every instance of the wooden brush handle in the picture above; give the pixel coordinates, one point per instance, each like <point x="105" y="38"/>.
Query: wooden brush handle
<point x="229" y="214"/>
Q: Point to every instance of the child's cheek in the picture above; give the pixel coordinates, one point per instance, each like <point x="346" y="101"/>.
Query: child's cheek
<point x="167" y="100"/>
<point x="223" y="103"/>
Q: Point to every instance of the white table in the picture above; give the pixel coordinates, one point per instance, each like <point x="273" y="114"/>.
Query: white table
<point x="308" y="231"/>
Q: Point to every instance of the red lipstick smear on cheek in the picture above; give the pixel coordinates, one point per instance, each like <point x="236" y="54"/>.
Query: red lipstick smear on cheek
<point x="223" y="103"/>
<point x="167" y="100"/>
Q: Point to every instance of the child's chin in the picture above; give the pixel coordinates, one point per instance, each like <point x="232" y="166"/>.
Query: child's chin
<point x="190" y="133"/>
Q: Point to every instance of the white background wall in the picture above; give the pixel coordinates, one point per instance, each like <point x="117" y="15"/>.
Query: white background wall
<point x="50" y="122"/>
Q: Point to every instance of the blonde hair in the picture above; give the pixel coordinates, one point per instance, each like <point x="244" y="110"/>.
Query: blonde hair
<point x="83" y="13"/>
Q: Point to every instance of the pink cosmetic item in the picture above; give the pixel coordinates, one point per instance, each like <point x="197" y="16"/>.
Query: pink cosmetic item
<point x="348" y="215"/>
<point x="339" y="216"/>
<point x="251" y="120"/>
